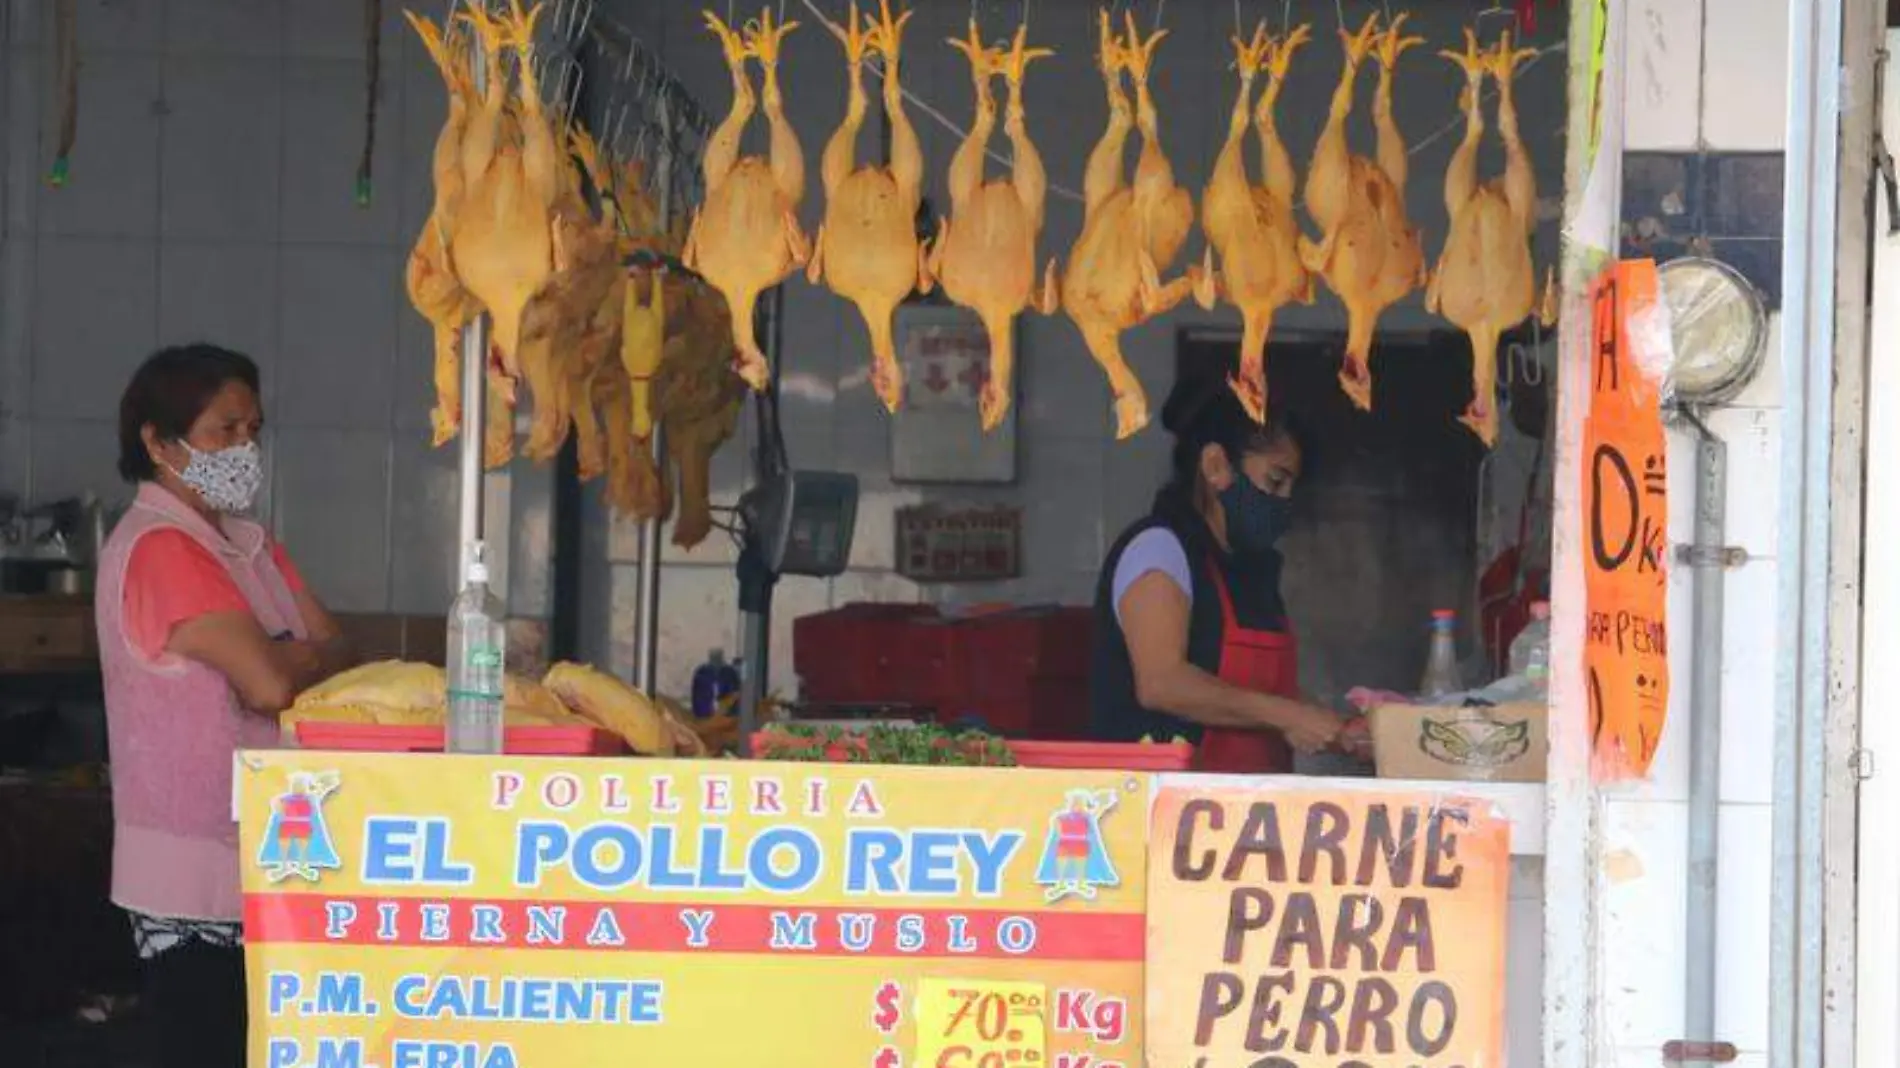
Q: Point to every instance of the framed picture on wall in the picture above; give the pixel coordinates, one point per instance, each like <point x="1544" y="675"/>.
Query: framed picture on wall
<point x="937" y="434"/>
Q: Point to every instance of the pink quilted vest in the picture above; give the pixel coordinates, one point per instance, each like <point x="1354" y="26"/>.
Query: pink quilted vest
<point x="173" y="725"/>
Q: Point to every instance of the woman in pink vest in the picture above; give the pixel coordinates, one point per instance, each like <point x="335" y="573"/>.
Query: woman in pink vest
<point x="206" y="634"/>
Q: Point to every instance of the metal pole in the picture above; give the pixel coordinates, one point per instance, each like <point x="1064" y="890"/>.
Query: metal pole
<point x="646" y="611"/>
<point x="646" y="587"/>
<point x="1707" y="558"/>
<point x="474" y="399"/>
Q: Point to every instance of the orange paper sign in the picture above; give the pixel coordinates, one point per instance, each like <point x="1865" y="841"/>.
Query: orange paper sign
<point x="1626" y="526"/>
<point x="1325" y="929"/>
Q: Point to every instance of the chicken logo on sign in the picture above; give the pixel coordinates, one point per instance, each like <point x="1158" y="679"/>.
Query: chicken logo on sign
<point x="297" y="840"/>
<point x="1075" y="861"/>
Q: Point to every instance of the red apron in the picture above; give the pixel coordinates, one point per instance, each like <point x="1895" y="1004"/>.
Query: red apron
<point x="1264" y="661"/>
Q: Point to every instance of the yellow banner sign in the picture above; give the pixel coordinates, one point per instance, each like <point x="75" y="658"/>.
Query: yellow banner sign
<point x="1302" y="929"/>
<point x="1626" y="525"/>
<point x="490" y="912"/>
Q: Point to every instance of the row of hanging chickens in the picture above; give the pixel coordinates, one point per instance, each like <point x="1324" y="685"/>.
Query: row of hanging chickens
<point x="746" y="236"/>
<point x="604" y="353"/>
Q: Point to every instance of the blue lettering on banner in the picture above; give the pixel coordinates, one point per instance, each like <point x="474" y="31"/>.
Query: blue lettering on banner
<point x="280" y="988"/>
<point x="523" y="999"/>
<point x="412" y="1053"/>
<point x="404" y="850"/>
<point x="339" y="994"/>
<point x="283" y="1053"/>
<point x="339" y="1053"/>
<point x="794" y="933"/>
<point x="883" y="862"/>
<point x="615" y="856"/>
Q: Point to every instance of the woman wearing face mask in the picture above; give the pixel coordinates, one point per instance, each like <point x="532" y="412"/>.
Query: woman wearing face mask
<point x="1192" y="638"/>
<point x="206" y="634"/>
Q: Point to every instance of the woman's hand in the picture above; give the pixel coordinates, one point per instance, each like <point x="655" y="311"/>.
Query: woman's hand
<point x="1310" y="729"/>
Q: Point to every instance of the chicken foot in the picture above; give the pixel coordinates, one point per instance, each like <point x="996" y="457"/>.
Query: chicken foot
<point x="1031" y="183"/>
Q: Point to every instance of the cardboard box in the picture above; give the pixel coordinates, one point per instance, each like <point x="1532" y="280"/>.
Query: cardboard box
<point x="1504" y="743"/>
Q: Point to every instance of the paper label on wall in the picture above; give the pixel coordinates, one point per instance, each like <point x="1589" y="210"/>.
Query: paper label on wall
<point x="1626" y="526"/>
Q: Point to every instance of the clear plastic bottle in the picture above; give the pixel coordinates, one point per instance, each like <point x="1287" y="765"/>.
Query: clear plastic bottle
<point x="1441" y="665"/>
<point x="1530" y="650"/>
<point x="478" y="647"/>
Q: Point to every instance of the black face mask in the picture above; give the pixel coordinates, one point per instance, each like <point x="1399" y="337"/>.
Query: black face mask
<point x="1256" y="519"/>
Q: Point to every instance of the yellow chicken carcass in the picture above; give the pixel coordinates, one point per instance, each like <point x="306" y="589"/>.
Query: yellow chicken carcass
<point x="1369" y="253"/>
<point x="745" y="239"/>
<point x="1251" y="226"/>
<point x="605" y="701"/>
<point x="985" y="252"/>
<point x="867" y="249"/>
<point x="503" y="244"/>
<point x="699" y="404"/>
<point x="1128" y="232"/>
<point x="1485" y="282"/>
<point x="434" y="290"/>
<point x="642" y="347"/>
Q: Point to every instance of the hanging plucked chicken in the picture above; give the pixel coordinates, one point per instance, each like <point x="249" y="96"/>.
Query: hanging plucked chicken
<point x="867" y="249"/>
<point x="1129" y="232"/>
<point x="746" y="238"/>
<point x="985" y="252"/>
<point x="1369" y="253"/>
<point x="1251" y="226"/>
<point x="1485" y="281"/>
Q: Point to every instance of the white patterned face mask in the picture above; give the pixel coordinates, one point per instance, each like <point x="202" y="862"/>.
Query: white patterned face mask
<point x="228" y="479"/>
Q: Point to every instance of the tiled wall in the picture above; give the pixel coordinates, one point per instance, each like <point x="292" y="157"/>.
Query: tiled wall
<point x="1704" y="161"/>
<point x="1077" y="486"/>
<point x="211" y="197"/>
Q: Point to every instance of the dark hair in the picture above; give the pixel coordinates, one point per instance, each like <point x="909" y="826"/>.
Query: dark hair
<point x="1199" y="412"/>
<point x="169" y="391"/>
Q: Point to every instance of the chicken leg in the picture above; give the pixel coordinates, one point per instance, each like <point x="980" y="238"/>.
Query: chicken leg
<point x="1163" y="210"/>
<point x="1031" y="183"/>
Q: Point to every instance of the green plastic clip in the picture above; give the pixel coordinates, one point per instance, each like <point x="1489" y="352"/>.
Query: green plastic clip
<point x="62" y="169"/>
<point x="362" y="192"/>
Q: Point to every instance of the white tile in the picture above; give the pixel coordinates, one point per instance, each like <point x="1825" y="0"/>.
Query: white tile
<point x="1745" y="87"/>
<point x="1752" y="633"/>
<point x="793" y="597"/>
<point x="1753" y="436"/>
<point x="1663" y="86"/>
<point x="880" y="586"/>
<point x="1062" y="392"/>
<point x="95" y="309"/>
<point x="223" y="128"/>
<point x="18" y="257"/>
<point x="1744" y="876"/>
<point x="248" y="28"/>
<point x="335" y="31"/>
<point x="113" y="186"/>
<point x="331" y="511"/>
<point x="225" y="294"/>
<point x="70" y="458"/>
<point x="405" y="143"/>
<point x="1641" y="933"/>
<point x="114" y="25"/>
<point x="701" y="612"/>
<point x="338" y="308"/>
<point x="20" y="162"/>
<point x="425" y="510"/>
<point x="324" y="105"/>
<point x="1524" y="982"/>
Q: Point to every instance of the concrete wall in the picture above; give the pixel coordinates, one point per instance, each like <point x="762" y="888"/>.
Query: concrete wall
<point x="1726" y="123"/>
<point x="1077" y="487"/>
<point x="211" y="197"/>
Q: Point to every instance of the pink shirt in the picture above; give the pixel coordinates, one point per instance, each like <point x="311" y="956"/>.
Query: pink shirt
<point x="174" y="724"/>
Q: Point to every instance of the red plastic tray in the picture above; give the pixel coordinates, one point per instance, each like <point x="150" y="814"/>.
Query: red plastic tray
<point x="1105" y="756"/>
<point x="517" y="741"/>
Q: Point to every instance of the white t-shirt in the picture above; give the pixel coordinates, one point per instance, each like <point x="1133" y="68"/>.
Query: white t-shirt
<point x="1154" y="549"/>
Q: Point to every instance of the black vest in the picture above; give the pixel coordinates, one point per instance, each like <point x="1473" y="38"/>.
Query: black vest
<point x="1254" y="585"/>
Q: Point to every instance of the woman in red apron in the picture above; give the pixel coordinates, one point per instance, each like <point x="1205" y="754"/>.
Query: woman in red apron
<point x="1192" y="639"/>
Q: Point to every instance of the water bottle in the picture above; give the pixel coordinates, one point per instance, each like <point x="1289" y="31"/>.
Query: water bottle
<point x="1530" y="650"/>
<point x="713" y="682"/>
<point x="1441" y="665"/>
<point x="478" y="647"/>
